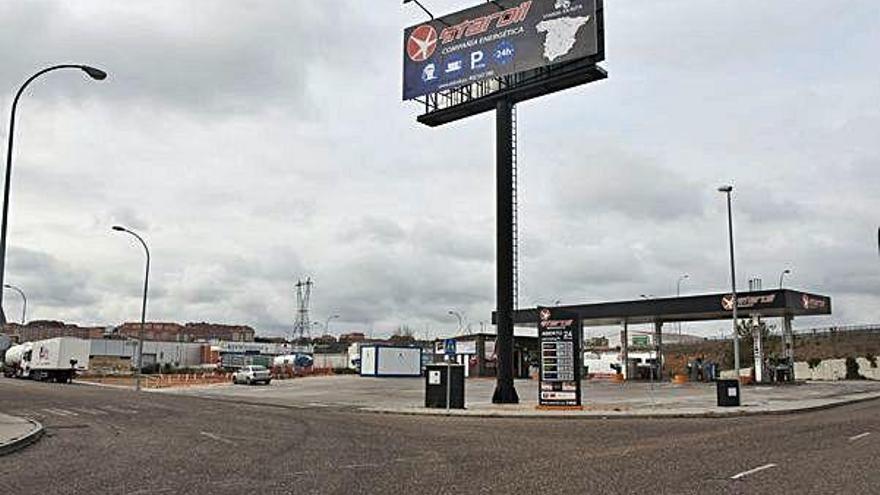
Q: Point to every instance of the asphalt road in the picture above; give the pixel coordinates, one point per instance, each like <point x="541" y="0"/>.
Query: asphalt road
<point x="103" y="440"/>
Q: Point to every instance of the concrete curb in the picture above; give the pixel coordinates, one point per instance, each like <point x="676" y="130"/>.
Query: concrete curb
<point x="21" y="442"/>
<point x="597" y="415"/>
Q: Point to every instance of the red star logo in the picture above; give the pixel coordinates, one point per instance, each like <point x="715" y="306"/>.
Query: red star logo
<point x="421" y="43"/>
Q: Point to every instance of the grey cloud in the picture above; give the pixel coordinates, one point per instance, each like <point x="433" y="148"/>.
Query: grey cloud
<point x="254" y="148"/>
<point x="222" y="59"/>
<point x="47" y="281"/>
<point x="634" y="186"/>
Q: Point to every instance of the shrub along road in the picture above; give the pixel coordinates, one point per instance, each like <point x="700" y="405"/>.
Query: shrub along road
<point x="101" y="440"/>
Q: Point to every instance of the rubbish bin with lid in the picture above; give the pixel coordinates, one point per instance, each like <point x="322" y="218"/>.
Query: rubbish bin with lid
<point x="444" y="381"/>
<point x="728" y="393"/>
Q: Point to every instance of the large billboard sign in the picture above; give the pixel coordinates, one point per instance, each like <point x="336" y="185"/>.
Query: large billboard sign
<point x="559" y="335"/>
<point x="496" y="39"/>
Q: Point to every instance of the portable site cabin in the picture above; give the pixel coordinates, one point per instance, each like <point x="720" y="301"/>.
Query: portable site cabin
<point x="387" y="361"/>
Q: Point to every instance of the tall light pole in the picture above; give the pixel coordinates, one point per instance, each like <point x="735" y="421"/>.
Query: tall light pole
<point x="727" y="190"/>
<point x="782" y="276"/>
<point x="94" y="73"/>
<point x="460" y="320"/>
<point x="137" y="380"/>
<point x="327" y="323"/>
<point x="24" y="301"/>
<point x="678" y="293"/>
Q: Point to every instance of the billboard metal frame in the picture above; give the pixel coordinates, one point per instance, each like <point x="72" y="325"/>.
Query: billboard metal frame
<point x="465" y="101"/>
<point x="501" y="94"/>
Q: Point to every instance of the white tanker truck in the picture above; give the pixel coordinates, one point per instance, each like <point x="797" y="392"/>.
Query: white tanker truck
<point x="13" y="366"/>
<point x="58" y="359"/>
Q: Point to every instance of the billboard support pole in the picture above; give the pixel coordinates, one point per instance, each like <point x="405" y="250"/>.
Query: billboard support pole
<point x="505" y="392"/>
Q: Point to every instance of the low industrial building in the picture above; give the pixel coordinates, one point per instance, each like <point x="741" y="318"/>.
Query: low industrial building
<point x="120" y="356"/>
<point x="477" y="352"/>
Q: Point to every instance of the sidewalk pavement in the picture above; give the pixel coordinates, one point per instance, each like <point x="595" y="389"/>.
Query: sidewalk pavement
<point x="665" y="400"/>
<point x="17" y="433"/>
<point x="600" y="399"/>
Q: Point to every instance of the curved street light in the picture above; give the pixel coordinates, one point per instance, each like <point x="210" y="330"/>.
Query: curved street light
<point x="678" y="293"/>
<point x="94" y="73"/>
<point x="24" y="301"/>
<point x="327" y="323"/>
<point x="460" y="319"/>
<point x="782" y="276"/>
<point x="137" y="381"/>
<point x="678" y="284"/>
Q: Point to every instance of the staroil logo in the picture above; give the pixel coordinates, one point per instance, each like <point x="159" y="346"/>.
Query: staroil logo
<point x="421" y="43"/>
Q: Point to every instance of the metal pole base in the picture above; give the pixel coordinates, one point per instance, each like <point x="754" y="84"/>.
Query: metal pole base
<point x="505" y="393"/>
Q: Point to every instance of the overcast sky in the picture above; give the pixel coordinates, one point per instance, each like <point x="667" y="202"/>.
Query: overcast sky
<point x="253" y="143"/>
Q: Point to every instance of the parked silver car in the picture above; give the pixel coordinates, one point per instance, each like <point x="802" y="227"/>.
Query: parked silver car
<point x="252" y="374"/>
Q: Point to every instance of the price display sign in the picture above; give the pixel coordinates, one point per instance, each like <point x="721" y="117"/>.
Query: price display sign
<point x="559" y="335"/>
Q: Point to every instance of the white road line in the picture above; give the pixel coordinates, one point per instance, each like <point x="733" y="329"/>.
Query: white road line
<point x="359" y="466"/>
<point x="861" y="435"/>
<point x="216" y="437"/>
<point x="86" y="410"/>
<point x="752" y="471"/>
<point x="61" y="412"/>
<point x="119" y="410"/>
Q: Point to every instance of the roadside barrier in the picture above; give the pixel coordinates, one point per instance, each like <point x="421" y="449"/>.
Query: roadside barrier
<point x="186" y="379"/>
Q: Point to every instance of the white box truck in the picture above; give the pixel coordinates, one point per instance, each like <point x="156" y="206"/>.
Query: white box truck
<point x="58" y="359"/>
<point x="385" y="360"/>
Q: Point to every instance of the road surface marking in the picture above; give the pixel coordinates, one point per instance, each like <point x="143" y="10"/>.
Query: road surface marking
<point x="861" y="435"/>
<point x="752" y="471"/>
<point x="119" y="410"/>
<point x="318" y="404"/>
<point x="61" y="412"/>
<point x="359" y="466"/>
<point x="86" y="410"/>
<point x="216" y="437"/>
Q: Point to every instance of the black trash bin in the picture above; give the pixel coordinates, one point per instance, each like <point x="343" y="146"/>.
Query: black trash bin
<point x="728" y="393"/>
<point x="442" y="380"/>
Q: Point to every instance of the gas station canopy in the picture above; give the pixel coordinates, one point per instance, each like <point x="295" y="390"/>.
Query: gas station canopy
<point x="767" y="303"/>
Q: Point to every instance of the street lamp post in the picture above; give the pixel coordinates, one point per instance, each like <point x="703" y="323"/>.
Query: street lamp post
<point x="727" y="190"/>
<point x="24" y="301"/>
<point x="460" y="320"/>
<point x="137" y="381"/>
<point x="94" y="73"/>
<point x="782" y="276"/>
<point x="678" y="293"/>
<point x="327" y="323"/>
